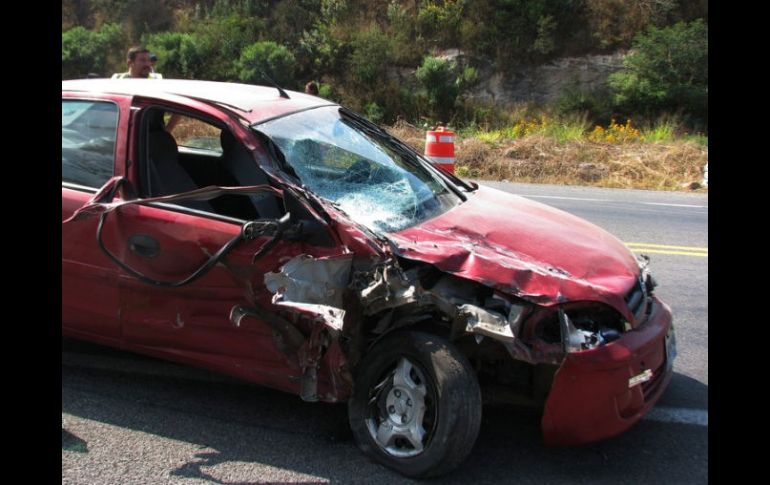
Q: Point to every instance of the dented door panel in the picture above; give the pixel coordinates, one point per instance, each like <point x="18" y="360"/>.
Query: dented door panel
<point x="193" y="322"/>
<point x="544" y="305"/>
<point x="89" y="279"/>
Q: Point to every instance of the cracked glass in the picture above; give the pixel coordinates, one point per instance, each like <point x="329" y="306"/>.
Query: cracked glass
<point x="373" y="179"/>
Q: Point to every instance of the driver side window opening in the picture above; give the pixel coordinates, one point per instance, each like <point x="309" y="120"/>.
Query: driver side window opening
<point x="183" y="152"/>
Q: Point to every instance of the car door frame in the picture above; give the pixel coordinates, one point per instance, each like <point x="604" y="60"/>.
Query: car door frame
<point x="89" y="278"/>
<point x="192" y="325"/>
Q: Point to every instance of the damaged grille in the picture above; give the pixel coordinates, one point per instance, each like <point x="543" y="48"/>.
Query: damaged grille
<point x="637" y="299"/>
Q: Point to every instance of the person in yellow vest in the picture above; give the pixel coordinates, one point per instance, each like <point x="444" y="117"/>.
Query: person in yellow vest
<point x="139" y="65"/>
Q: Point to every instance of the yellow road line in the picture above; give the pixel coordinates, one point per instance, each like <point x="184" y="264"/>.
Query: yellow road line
<point x="661" y="246"/>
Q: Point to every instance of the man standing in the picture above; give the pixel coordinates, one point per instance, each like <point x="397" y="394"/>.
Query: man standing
<point x="154" y="74"/>
<point x="139" y="65"/>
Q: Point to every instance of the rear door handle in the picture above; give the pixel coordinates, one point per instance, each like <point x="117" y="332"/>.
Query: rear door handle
<point x="144" y="245"/>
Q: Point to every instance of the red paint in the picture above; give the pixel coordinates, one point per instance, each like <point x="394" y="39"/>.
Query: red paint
<point x="590" y="399"/>
<point x="524" y="248"/>
<point x="514" y="245"/>
<point x="260" y="102"/>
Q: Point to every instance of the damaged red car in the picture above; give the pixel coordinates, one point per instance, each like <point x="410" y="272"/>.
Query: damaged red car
<point x="285" y="240"/>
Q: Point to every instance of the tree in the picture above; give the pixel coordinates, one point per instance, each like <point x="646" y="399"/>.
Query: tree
<point x="84" y="51"/>
<point x="371" y="50"/>
<point x="266" y="58"/>
<point x="443" y="84"/>
<point x="180" y="55"/>
<point x="667" y="70"/>
<point x="615" y="22"/>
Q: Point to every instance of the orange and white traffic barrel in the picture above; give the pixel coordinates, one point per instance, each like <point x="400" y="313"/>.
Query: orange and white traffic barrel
<point x="440" y="148"/>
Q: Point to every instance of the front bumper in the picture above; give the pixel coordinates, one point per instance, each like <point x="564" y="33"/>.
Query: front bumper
<point x="590" y="398"/>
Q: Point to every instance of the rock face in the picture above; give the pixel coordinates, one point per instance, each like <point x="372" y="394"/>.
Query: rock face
<point x="541" y="84"/>
<point x="547" y="82"/>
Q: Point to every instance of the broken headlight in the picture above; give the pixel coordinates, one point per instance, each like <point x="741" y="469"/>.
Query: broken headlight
<point x="576" y="326"/>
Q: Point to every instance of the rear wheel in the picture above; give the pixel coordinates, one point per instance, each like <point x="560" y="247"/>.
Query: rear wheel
<point x="416" y="405"/>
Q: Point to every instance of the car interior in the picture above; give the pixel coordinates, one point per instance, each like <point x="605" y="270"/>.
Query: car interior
<point x="185" y="162"/>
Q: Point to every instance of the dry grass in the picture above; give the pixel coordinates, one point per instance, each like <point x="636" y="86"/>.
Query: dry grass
<point x="672" y="165"/>
<point x="409" y="134"/>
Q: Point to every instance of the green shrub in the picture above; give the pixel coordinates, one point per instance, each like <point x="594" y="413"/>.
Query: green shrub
<point x="440" y="21"/>
<point x="370" y="55"/>
<point x="440" y="82"/>
<point x="667" y="71"/>
<point x="85" y="51"/>
<point x="180" y="55"/>
<point x="318" y="52"/>
<point x="325" y="91"/>
<point x="374" y="112"/>
<point x="266" y="58"/>
<point x="227" y="37"/>
<point x="544" y="42"/>
<point x="615" y="22"/>
<point x="594" y="104"/>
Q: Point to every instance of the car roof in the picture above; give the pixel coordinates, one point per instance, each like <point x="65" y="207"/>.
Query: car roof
<point x="254" y="103"/>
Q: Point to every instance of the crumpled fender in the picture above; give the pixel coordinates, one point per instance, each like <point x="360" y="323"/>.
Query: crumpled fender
<point x="524" y="248"/>
<point x="591" y="397"/>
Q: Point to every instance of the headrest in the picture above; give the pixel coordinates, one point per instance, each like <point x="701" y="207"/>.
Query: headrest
<point x="227" y="140"/>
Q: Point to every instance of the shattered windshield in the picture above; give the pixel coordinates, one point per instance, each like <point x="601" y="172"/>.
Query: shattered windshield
<point x="375" y="181"/>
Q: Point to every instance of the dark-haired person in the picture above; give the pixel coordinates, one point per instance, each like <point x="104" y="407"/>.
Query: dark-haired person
<point x="311" y="88"/>
<point x="139" y="64"/>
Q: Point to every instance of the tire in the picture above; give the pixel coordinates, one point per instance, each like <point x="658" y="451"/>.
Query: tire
<point x="416" y="405"/>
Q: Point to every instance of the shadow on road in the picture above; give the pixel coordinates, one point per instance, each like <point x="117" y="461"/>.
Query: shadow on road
<point x="241" y="423"/>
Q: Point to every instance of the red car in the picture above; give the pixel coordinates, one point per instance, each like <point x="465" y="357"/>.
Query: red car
<point x="283" y="239"/>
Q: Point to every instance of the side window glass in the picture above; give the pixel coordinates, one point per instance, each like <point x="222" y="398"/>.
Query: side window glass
<point x="193" y="133"/>
<point x="88" y="133"/>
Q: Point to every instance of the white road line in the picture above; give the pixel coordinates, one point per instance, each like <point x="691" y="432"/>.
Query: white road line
<point x="677" y="205"/>
<point x="698" y="417"/>
<point x="614" y="201"/>
<point x="564" y="198"/>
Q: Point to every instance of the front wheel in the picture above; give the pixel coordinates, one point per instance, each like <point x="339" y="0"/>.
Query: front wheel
<point x="416" y="404"/>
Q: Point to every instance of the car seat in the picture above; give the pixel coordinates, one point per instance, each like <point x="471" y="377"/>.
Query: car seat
<point x="240" y="163"/>
<point x="167" y="176"/>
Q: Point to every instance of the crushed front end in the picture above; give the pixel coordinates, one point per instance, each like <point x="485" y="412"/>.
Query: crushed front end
<point x="602" y="391"/>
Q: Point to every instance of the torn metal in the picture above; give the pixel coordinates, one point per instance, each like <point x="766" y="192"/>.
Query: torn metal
<point x="484" y="322"/>
<point x="491" y="296"/>
<point x="531" y="257"/>
<point x="312" y="286"/>
<point x="311" y="280"/>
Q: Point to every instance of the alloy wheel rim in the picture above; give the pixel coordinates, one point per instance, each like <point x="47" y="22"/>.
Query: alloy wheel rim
<point x="401" y="414"/>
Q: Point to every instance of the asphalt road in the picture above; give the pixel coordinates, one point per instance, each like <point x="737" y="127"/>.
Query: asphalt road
<point x="130" y="419"/>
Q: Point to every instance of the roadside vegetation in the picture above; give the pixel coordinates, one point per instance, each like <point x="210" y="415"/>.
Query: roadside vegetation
<point x="384" y="59"/>
<point x="572" y="152"/>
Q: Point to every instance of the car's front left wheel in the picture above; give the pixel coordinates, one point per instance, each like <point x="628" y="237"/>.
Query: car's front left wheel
<point x="416" y="404"/>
